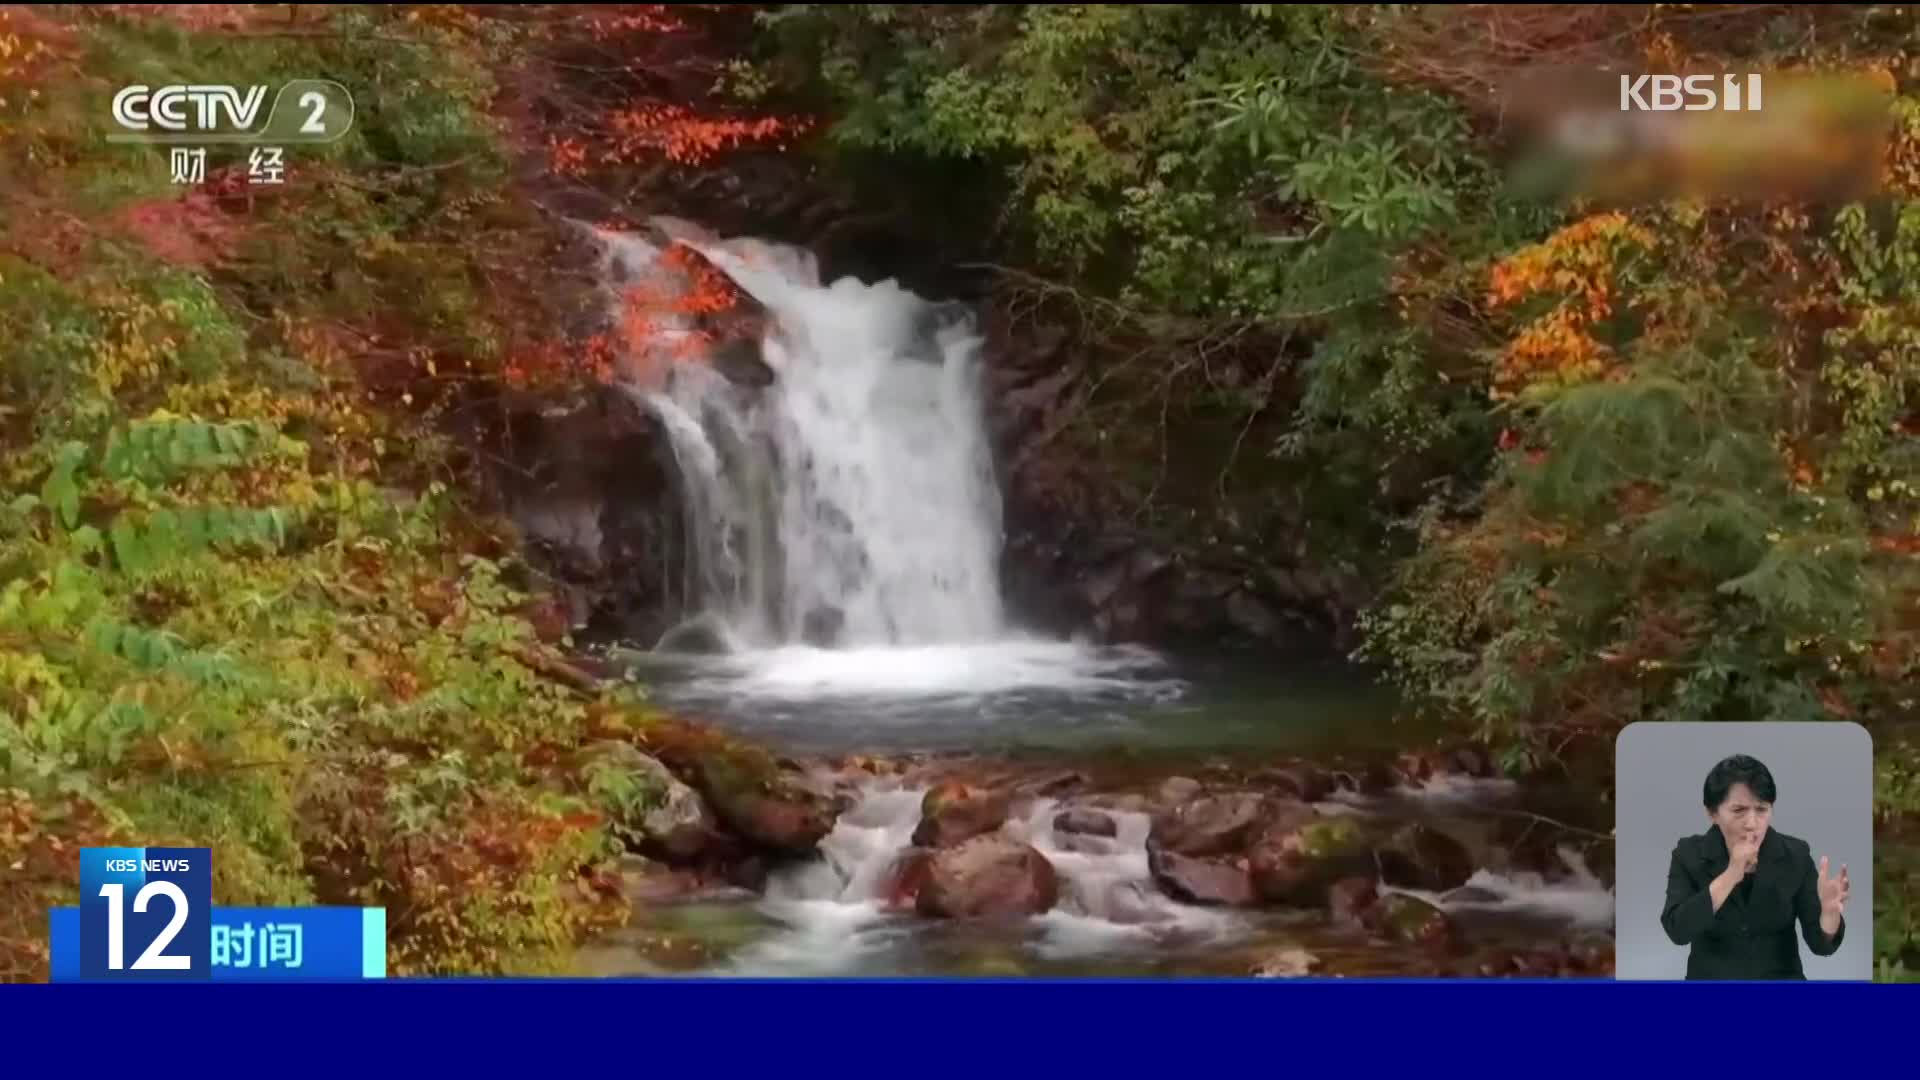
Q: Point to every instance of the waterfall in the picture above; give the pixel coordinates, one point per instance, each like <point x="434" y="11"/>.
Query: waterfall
<point x="854" y="495"/>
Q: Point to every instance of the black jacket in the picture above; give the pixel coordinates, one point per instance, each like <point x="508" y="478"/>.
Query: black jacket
<point x="1751" y="936"/>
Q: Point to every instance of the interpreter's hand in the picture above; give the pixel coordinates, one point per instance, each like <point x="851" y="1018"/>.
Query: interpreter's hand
<point x="1833" y="892"/>
<point x="1743" y="856"/>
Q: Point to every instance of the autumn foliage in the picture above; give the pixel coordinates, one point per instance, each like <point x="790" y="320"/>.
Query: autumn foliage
<point x="656" y="100"/>
<point x="1576" y="268"/>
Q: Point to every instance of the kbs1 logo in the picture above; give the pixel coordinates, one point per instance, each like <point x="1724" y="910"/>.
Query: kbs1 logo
<point x="303" y="111"/>
<point x="1691" y="93"/>
<point x="146" y="913"/>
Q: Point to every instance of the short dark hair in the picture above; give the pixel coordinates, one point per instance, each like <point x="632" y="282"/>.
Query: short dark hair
<point x="1738" y="769"/>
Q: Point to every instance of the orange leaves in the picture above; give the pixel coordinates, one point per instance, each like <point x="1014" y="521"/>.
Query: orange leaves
<point x="1554" y="348"/>
<point x="673" y="132"/>
<point x="26" y="43"/>
<point x="1897" y="545"/>
<point x="1577" y="265"/>
<point x="1581" y="256"/>
<point x="447" y="16"/>
<point x="635" y="18"/>
<point x="660" y="322"/>
<point x="656" y="98"/>
<point x="558" y="362"/>
<point x="566" y="156"/>
<point x="660" y="316"/>
<point x="683" y="137"/>
<point x="1663" y="53"/>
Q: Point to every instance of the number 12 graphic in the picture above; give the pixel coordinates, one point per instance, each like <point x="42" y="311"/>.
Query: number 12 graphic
<point x="170" y="939"/>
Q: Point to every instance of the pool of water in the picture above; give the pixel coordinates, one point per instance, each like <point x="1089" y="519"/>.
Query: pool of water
<point x="1026" y="698"/>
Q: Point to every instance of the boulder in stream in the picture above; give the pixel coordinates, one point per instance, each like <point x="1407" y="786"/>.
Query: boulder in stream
<point x="1210" y="824"/>
<point x="703" y="635"/>
<point x="1419" y="856"/>
<point x="1471" y="761"/>
<point x="1296" y="862"/>
<point x="1084" y="821"/>
<point x="953" y="813"/>
<point x="1350" y="899"/>
<point x="647" y="804"/>
<point x="988" y="876"/>
<point x="1175" y="790"/>
<point x="822" y="626"/>
<point x="740" y="362"/>
<point x="1409" y="920"/>
<point x="775" y="810"/>
<point x="905" y="877"/>
<point x="1303" y="782"/>
<point x="1220" y="882"/>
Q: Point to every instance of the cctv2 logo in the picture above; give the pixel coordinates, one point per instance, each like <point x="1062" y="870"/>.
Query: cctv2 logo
<point x="305" y="110"/>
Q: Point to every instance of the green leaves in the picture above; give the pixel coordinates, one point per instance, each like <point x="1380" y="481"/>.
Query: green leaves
<point x="61" y="492"/>
<point x="157" y="450"/>
<point x="142" y="547"/>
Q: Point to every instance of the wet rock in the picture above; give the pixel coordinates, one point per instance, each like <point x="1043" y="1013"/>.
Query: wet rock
<point x="740" y="362"/>
<point x="988" y="876"/>
<point x="1303" y="782"/>
<point x="648" y="805"/>
<point x="1296" y="863"/>
<point x="1059" y="783"/>
<point x="1417" y="856"/>
<point x="1251" y="616"/>
<point x="953" y="813"/>
<point x="1285" y="964"/>
<point x="1415" y="767"/>
<point x="773" y="810"/>
<point x="699" y="636"/>
<point x="1471" y="761"/>
<point x="1219" y="882"/>
<point x="1083" y="844"/>
<point x="1145" y="565"/>
<point x="904" y="879"/>
<point x="749" y="873"/>
<point x="650" y="882"/>
<point x="1177" y="789"/>
<point x="1132" y="803"/>
<point x="1211" y="824"/>
<point x="1377" y="778"/>
<point x="1086" y="822"/>
<point x="1124" y="903"/>
<point x="1409" y="920"/>
<point x="1099" y="589"/>
<point x="821" y="626"/>
<point x="1350" y="898"/>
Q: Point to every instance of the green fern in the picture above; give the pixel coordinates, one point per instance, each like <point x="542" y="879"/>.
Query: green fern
<point x="158" y="450"/>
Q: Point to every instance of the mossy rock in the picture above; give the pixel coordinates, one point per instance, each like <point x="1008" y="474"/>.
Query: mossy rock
<point x="1409" y="920"/>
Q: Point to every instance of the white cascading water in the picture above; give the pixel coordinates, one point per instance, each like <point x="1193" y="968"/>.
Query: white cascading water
<point x="869" y="445"/>
<point x="837" y="921"/>
<point x="856" y="491"/>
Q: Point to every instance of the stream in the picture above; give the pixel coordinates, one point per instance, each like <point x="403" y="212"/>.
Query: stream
<point x="847" y="524"/>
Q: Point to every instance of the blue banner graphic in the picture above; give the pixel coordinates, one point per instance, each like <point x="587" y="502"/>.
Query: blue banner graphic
<point x="258" y="944"/>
